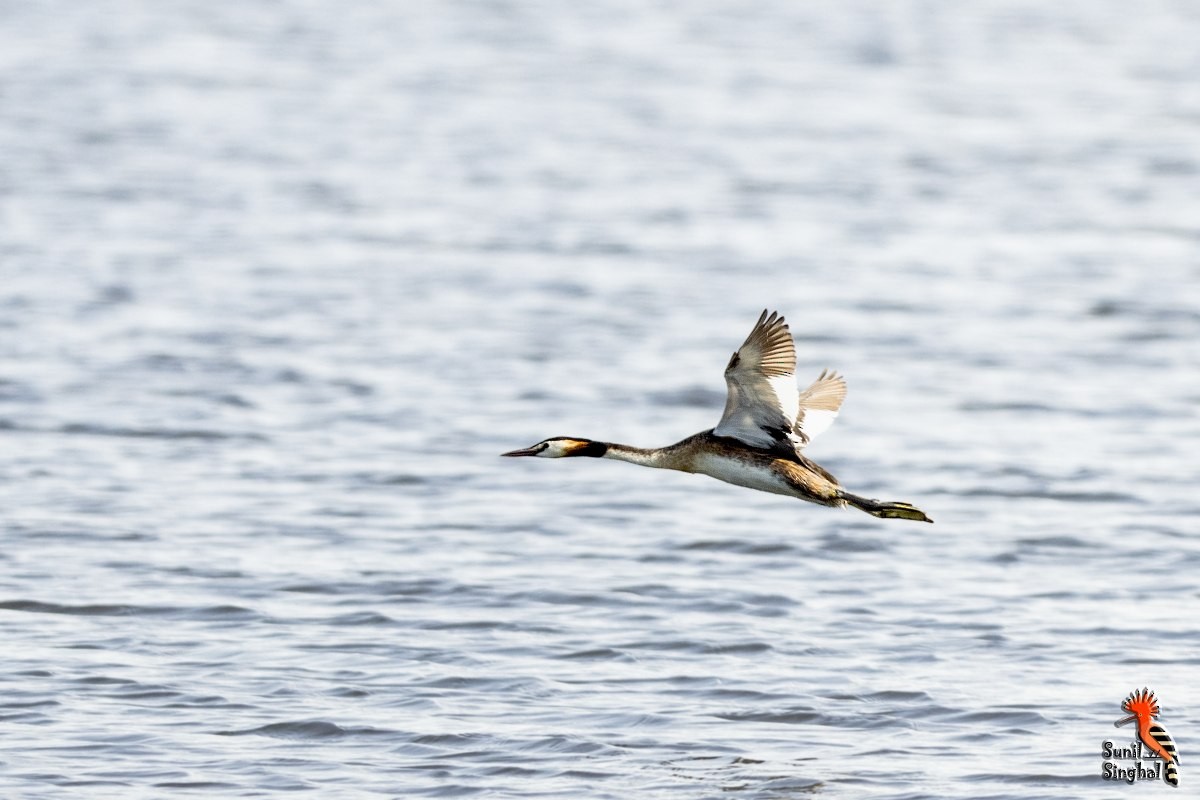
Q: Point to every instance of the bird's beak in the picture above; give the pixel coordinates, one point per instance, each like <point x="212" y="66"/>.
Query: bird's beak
<point x="528" y="451"/>
<point x="1125" y="721"/>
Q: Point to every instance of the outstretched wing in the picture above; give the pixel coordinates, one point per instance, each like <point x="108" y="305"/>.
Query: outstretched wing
<point x="762" y="404"/>
<point x="819" y="405"/>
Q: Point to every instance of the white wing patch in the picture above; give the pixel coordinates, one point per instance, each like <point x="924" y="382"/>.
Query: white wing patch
<point x="784" y="389"/>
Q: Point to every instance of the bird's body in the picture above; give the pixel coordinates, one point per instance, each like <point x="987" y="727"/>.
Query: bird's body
<point x="734" y="462"/>
<point x="759" y="441"/>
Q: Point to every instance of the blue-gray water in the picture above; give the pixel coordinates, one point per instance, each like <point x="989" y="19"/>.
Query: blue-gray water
<point x="280" y="280"/>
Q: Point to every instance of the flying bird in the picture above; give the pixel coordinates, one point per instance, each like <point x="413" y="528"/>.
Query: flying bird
<point x="759" y="442"/>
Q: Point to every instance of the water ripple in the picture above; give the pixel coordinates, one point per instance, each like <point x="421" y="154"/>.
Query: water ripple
<point x="307" y="730"/>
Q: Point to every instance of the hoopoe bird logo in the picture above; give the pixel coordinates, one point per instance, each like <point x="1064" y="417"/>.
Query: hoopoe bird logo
<point x="1143" y="708"/>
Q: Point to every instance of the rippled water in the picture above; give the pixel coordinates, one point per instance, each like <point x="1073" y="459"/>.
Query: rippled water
<point x="281" y="280"/>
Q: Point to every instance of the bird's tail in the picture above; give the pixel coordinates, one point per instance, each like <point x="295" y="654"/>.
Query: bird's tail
<point x="883" y="510"/>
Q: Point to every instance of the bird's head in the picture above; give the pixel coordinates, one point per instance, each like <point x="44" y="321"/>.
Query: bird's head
<point x="1140" y="705"/>
<point x="562" y="447"/>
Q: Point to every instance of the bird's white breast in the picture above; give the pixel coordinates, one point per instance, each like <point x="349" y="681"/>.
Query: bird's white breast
<point x="741" y="473"/>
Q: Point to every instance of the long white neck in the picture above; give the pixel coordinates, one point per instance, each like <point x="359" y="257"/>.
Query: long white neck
<point x="646" y="457"/>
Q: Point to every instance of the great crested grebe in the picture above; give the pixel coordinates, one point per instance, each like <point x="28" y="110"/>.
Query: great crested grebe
<point x="759" y="441"/>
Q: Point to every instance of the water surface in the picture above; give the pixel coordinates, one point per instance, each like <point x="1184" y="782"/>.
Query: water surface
<point x="281" y="280"/>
